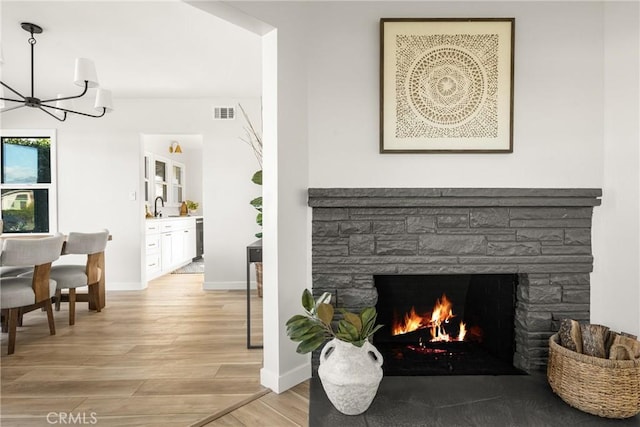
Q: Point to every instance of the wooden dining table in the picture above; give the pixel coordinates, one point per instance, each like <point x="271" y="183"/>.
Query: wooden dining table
<point x="82" y="297"/>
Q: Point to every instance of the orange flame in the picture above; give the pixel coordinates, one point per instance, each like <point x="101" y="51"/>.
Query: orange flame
<point x="436" y="322"/>
<point x="411" y="322"/>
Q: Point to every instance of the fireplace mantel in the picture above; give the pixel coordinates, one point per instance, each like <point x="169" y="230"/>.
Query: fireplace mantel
<point x="452" y="197"/>
<point x="541" y="234"/>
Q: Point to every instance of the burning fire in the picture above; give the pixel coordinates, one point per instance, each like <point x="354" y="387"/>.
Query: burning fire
<point x="436" y="321"/>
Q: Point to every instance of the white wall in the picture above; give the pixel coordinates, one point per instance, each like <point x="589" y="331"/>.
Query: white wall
<point x="99" y="164"/>
<point x="557" y="106"/>
<point x="328" y="62"/>
<point x="615" y="294"/>
<point x="229" y="218"/>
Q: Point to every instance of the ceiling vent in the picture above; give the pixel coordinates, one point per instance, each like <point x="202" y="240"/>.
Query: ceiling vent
<point x="224" y="113"/>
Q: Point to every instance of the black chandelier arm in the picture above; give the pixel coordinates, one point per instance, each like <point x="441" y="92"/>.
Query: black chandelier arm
<point x="104" y="111"/>
<point x="54" y="116"/>
<point x="4" y="110"/>
<point x="86" y="87"/>
<point x="13" y="100"/>
<point x="14" y="91"/>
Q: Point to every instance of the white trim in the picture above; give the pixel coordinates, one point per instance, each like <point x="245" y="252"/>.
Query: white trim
<point x="287" y="380"/>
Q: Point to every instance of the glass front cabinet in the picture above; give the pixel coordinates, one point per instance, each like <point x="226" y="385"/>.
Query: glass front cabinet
<point x="164" y="178"/>
<point x="177" y="183"/>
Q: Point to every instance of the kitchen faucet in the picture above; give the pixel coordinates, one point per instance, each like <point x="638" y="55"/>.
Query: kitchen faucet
<point x="155" y="206"/>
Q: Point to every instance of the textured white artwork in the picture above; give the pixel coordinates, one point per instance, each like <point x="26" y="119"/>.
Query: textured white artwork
<point x="446" y="86"/>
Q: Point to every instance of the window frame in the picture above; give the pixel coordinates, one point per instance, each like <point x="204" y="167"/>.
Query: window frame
<point x="51" y="187"/>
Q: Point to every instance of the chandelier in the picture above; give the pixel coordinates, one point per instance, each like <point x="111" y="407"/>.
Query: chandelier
<point x="85" y="76"/>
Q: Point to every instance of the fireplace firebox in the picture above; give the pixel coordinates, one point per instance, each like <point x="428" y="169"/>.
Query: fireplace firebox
<point x="454" y="324"/>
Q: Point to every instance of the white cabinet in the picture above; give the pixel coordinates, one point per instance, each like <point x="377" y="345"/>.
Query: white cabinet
<point x="177" y="183"/>
<point x="189" y="243"/>
<point x="166" y="251"/>
<point x="164" y="177"/>
<point x="152" y="250"/>
<point x="170" y="244"/>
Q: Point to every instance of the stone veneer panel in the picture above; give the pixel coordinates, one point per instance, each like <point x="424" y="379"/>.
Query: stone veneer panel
<point x="542" y="235"/>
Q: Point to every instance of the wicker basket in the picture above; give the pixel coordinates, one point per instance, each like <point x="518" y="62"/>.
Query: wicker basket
<point x="603" y="387"/>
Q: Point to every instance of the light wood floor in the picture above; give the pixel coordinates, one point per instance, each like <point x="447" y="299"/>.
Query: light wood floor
<point x="171" y="355"/>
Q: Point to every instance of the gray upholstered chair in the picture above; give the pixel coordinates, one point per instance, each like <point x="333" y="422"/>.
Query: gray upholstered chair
<point x="75" y="276"/>
<point x="14" y="271"/>
<point x="20" y="295"/>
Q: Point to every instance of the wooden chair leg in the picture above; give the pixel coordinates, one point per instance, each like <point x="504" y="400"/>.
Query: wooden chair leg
<point x="5" y="320"/>
<point x="13" y="321"/>
<point x="72" y="306"/>
<point x="58" y="299"/>
<point x="94" y="297"/>
<point x="20" y="316"/>
<point x="49" y="309"/>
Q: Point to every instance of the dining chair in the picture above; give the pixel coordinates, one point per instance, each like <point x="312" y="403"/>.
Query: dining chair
<point x="72" y="276"/>
<point x="20" y="295"/>
<point x="14" y="271"/>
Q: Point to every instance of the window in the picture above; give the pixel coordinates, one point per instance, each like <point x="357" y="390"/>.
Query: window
<point x="27" y="181"/>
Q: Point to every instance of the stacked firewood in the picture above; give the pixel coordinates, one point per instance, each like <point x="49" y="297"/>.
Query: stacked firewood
<point x="598" y="341"/>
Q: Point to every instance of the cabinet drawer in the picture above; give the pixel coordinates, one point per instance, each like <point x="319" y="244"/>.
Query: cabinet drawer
<point x="152" y="228"/>
<point x="168" y="226"/>
<point x="153" y="244"/>
<point x="153" y="263"/>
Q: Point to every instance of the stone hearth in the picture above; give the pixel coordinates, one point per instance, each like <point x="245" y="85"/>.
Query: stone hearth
<point x="542" y="235"/>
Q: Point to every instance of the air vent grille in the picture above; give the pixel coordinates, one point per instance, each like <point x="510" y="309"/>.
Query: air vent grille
<point x="224" y="113"/>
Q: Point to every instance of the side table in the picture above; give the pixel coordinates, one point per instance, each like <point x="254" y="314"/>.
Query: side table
<point x="254" y="254"/>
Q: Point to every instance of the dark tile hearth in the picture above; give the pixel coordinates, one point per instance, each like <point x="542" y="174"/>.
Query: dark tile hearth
<point x="464" y="401"/>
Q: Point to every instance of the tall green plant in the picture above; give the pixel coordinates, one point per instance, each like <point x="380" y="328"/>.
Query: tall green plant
<point x="257" y="202"/>
<point x="314" y="327"/>
<point x="253" y="139"/>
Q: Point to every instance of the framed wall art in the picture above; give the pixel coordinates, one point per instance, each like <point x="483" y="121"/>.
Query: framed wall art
<point x="446" y="85"/>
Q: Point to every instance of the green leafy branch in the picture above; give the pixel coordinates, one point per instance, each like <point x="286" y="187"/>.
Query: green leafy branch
<point x="314" y="327"/>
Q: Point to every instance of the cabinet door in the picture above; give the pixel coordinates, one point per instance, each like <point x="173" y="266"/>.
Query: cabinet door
<point x="147" y="159"/>
<point x="161" y="179"/>
<point x="190" y="243"/>
<point x="177" y="183"/>
<point x="166" y="251"/>
<point x="177" y="247"/>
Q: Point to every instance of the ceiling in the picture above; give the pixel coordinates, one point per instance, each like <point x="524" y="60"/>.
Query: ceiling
<point x="150" y="49"/>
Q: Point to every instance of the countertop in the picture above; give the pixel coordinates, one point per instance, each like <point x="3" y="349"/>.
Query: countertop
<point x="166" y="218"/>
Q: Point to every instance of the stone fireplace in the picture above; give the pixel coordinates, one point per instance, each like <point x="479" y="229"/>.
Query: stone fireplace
<point x="542" y="236"/>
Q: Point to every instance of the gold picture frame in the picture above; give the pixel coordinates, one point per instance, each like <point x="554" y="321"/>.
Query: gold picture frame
<point x="446" y="85"/>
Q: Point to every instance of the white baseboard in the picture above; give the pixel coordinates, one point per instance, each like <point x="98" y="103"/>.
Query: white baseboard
<point x="287" y="380"/>
<point x="124" y="286"/>
<point x="223" y="286"/>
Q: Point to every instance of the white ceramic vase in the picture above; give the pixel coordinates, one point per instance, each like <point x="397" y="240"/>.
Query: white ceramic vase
<point x="350" y="375"/>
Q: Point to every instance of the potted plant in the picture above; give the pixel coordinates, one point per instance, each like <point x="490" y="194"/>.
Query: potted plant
<point x="350" y="366"/>
<point x="253" y="139"/>
<point x="192" y="206"/>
